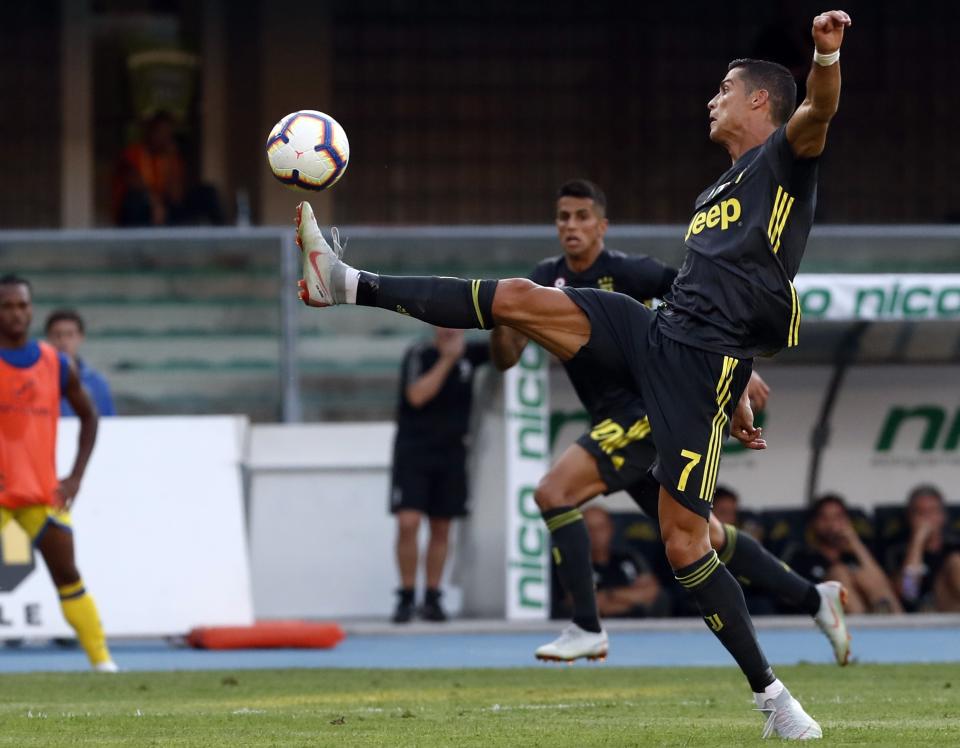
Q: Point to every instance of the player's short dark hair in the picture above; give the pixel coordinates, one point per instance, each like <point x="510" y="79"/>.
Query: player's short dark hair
<point x="824" y="500"/>
<point x="64" y="315"/>
<point x="12" y="279"/>
<point x="924" y="489"/>
<point x="773" y="78"/>
<point x="722" y="491"/>
<point x="584" y="188"/>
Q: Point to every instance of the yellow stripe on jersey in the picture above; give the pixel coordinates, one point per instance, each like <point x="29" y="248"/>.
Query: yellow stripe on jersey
<point x="475" y="286"/>
<point x="782" y="204"/>
<point x="793" y="333"/>
<point x="717" y="430"/>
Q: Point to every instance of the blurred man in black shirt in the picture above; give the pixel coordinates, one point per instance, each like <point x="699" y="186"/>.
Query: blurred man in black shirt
<point x="429" y="460"/>
<point x="626" y="585"/>
<point x="834" y="551"/>
<point x="927" y="565"/>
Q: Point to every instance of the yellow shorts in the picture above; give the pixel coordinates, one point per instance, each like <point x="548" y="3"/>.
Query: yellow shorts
<point x="34" y="519"/>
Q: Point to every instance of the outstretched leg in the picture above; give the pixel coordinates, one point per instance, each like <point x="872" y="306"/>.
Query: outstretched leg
<point x="545" y="315"/>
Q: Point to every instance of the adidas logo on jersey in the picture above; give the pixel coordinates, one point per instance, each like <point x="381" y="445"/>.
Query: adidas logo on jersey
<point x="722" y="214"/>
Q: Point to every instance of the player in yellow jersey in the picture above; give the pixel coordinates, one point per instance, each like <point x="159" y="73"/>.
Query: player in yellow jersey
<point x="33" y="378"/>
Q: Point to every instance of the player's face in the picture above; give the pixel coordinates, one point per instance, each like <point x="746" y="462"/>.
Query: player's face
<point x="725" y="509"/>
<point x="728" y="108"/>
<point x="830" y="523"/>
<point x="927" y="509"/>
<point x="66" y="337"/>
<point x="580" y="226"/>
<point x="16" y="312"/>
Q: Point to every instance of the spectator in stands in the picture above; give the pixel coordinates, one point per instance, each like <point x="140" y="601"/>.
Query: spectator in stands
<point x="151" y="182"/>
<point x="626" y="585"/>
<point x="65" y="331"/>
<point x="429" y="459"/>
<point x="834" y="551"/>
<point x="726" y="508"/>
<point x="926" y="566"/>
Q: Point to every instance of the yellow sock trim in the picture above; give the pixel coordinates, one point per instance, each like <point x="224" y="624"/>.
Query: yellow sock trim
<point x="562" y="520"/>
<point x="698" y="576"/>
<point x="731" y="535"/>
<point x="475" y="287"/>
<point x="71" y="590"/>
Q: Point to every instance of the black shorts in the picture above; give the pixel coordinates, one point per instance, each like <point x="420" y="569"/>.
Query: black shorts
<point x="623" y="450"/>
<point x="689" y="394"/>
<point x="434" y="483"/>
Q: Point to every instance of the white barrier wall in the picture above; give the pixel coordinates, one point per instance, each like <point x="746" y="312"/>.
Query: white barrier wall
<point x="321" y="540"/>
<point x="159" y="532"/>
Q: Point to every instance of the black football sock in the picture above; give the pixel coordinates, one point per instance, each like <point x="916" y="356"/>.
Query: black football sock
<point x="753" y="564"/>
<point x="722" y="606"/>
<point x="571" y="556"/>
<point x="445" y="302"/>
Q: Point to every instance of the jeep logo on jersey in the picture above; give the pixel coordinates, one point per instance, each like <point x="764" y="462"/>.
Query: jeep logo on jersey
<point x="16" y="557"/>
<point x="722" y="214"/>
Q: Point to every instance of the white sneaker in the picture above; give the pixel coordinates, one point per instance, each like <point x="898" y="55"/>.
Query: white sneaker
<point x="786" y="718"/>
<point x="574" y="643"/>
<point x="830" y="618"/>
<point x="106" y="667"/>
<point x="323" y="270"/>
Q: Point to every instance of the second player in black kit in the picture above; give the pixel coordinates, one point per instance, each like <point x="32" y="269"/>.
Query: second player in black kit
<point x="429" y="464"/>
<point x="618" y="424"/>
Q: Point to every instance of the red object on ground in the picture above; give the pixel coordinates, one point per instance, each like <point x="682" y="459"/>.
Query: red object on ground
<point x="268" y="635"/>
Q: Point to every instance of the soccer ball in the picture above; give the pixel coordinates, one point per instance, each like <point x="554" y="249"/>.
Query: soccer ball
<point x="308" y="150"/>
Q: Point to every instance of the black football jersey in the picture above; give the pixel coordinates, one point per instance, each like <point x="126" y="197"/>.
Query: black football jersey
<point x="639" y="276"/>
<point x="443" y="422"/>
<point x="734" y="294"/>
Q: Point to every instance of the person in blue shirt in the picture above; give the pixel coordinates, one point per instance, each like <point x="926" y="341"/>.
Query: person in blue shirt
<point x="64" y="329"/>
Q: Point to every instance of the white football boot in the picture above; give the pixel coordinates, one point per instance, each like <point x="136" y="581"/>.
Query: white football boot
<point x="324" y="273"/>
<point x="830" y="618"/>
<point x="786" y="718"/>
<point x="574" y="643"/>
<point x="105" y="667"/>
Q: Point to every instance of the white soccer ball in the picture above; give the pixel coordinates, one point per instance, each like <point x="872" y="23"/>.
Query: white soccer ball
<point x="308" y="150"/>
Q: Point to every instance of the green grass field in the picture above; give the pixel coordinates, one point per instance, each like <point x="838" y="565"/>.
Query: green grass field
<point x="550" y="706"/>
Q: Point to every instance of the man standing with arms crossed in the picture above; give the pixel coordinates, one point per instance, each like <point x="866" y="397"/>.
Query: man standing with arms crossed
<point x="690" y="361"/>
<point x="33" y="378"/>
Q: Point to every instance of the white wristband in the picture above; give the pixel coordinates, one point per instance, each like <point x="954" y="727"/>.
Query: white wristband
<point x="826" y="60"/>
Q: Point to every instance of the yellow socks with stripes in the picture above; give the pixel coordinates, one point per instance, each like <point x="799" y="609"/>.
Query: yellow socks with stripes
<point x="754" y="565"/>
<point x="571" y="557"/>
<point x="721" y="603"/>
<point x="81" y="613"/>
<point x="446" y="302"/>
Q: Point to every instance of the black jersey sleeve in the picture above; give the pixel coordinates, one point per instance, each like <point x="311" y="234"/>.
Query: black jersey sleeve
<point x="798" y="175"/>
<point x="477" y="353"/>
<point x="545" y="273"/>
<point x="646" y="278"/>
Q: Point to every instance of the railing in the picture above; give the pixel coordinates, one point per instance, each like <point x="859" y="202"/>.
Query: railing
<point x="171" y="308"/>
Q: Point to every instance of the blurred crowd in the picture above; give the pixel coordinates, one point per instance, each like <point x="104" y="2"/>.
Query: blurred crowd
<point x="897" y="559"/>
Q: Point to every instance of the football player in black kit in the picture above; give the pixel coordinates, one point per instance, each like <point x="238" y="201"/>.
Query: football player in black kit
<point x="616" y="452"/>
<point x="689" y="361"/>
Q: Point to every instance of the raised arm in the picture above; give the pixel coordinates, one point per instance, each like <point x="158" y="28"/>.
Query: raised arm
<point x="807" y="128"/>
